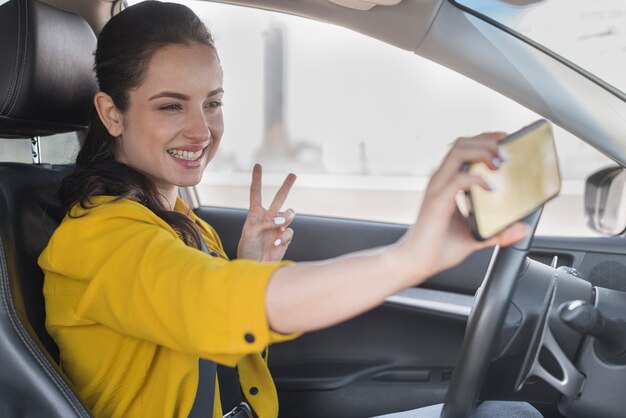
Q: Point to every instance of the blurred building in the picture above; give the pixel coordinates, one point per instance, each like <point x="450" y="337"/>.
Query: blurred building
<point x="279" y="152"/>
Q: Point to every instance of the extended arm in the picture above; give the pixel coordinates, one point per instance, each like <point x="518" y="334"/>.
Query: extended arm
<point x="307" y="296"/>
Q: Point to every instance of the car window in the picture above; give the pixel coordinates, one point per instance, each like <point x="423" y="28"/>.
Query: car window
<point x="54" y="149"/>
<point x="18" y="150"/>
<point x="362" y="123"/>
<point x="60" y="148"/>
<point x="589" y="33"/>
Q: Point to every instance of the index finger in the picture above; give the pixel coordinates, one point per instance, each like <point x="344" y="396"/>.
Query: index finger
<point x="255" y="187"/>
<point x="283" y="192"/>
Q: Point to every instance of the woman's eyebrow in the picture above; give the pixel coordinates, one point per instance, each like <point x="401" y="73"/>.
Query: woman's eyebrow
<point x="171" y="94"/>
<point x="214" y="92"/>
<point x="181" y="96"/>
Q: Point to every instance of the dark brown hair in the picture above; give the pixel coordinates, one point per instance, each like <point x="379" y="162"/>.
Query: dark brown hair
<point x="125" y="46"/>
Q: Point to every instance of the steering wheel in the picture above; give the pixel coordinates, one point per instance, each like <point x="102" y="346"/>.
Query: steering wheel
<point x="485" y="324"/>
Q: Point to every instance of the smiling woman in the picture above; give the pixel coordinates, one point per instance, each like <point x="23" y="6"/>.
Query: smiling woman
<point x="164" y="313"/>
<point x="138" y="116"/>
<point x="173" y="125"/>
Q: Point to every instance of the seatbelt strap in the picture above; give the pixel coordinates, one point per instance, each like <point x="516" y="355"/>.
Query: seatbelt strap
<point x="230" y="388"/>
<point x="205" y="393"/>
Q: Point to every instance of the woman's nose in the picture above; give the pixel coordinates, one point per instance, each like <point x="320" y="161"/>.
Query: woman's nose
<point x="198" y="126"/>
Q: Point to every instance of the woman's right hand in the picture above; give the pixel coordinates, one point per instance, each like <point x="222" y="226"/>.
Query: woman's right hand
<point x="440" y="237"/>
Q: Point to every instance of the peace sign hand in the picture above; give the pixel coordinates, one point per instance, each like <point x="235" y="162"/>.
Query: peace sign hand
<point x="266" y="233"/>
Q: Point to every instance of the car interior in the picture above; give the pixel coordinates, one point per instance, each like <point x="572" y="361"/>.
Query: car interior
<point x="522" y="337"/>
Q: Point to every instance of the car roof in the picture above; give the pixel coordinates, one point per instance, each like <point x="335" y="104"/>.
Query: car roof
<point x="442" y="32"/>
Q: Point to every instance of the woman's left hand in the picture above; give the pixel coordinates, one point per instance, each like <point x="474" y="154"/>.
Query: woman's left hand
<point x="266" y="233"/>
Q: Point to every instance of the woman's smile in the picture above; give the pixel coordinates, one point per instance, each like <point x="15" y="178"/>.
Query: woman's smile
<point x="188" y="157"/>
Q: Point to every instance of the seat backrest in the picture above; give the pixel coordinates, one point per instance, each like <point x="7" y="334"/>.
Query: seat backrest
<point x="30" y="212"/>
<point x="30" y="381"/>
<point x="46" y="86"/>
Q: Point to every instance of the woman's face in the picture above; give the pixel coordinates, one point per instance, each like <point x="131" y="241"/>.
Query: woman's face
<point x="174" y="122"/>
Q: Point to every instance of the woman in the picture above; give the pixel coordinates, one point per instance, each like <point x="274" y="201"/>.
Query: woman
<point x="144" y="301"/>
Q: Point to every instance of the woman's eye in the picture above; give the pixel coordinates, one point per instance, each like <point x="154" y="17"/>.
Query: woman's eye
<point x="214" y="104"/>
<point x="171" y="107"/>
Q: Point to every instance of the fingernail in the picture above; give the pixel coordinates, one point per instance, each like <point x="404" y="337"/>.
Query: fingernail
<point x="491" y="187"/>
<point x="503" y="155"/>
<point x="496" y="161"/>
<point x="290" y="212"/>
<point x="277" y="242"/>
<point x="279" y="220"/>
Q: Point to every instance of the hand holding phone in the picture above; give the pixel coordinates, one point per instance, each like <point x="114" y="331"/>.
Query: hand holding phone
<point x="528" y="178"/>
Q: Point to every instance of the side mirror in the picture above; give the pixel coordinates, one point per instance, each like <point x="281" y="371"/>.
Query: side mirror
<point x="605" y="201"/>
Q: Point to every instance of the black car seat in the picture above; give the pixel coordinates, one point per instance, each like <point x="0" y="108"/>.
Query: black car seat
<point x="46" y="85"/>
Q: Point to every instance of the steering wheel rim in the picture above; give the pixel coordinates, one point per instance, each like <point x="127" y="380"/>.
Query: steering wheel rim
<point x="485" y="324"/>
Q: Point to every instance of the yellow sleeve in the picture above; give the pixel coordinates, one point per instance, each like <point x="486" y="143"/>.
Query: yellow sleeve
<point x="141" y="280"/>
<point x="213" y="237"/>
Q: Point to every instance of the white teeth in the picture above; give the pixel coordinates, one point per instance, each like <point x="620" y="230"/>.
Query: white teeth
<point x="185" y="155"/>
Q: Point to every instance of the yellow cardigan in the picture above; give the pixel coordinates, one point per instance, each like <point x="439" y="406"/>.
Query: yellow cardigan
<point x="132" y="308"/>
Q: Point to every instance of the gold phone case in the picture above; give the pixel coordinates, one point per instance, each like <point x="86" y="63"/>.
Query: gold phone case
<point x="529" y="178"/>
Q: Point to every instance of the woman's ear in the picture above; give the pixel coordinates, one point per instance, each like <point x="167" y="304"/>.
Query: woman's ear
<point x="110" y="116"/>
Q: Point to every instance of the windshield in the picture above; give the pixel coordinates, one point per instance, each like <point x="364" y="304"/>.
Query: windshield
<point x="589" y="33"/>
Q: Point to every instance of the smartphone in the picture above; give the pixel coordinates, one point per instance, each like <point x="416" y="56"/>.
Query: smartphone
<point x="529" y="178"/>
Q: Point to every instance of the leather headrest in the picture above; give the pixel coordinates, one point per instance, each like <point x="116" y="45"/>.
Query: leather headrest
<point x="46" y="75"/>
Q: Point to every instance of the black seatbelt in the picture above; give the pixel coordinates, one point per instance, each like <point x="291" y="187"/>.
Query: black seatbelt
<point x="205" y="393"/>
<point x="230" y="388"/>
